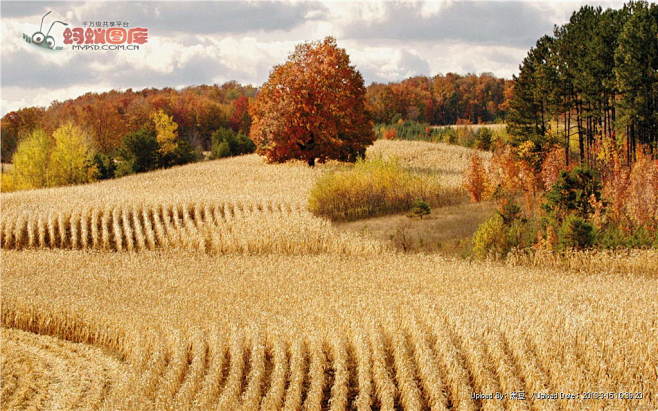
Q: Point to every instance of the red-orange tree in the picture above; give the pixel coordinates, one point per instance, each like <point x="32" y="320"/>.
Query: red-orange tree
<point x="312" y="107"/>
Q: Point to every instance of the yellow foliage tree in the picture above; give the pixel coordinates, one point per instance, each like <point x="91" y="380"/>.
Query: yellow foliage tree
<point x="70" y="161"/>
<point x="31" y="162"/>
<point x="166" y="131"/>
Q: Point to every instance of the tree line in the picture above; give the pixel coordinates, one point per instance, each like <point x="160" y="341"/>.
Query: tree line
<point x="201" y="110"/>
<point x="441" y="100"/>
<point x="107" y="118"/>
<point x="592" y="85"/>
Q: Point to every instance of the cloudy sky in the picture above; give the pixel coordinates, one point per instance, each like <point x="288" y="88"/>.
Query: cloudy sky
<point x="213" y="42"/>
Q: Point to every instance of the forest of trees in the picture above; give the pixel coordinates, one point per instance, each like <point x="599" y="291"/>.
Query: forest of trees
<point x="201" y="110"/>
<point x="108" y="117"/>
<point x="441" y="100"/>
<point x="580" y="169"/>
<point x="593" y="82"/>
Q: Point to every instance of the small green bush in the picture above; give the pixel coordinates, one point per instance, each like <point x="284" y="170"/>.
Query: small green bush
<point x="612" y="237"/>
<point x="420" y="208"/>
<point x="522" y="233"/>
<point x="220" y="150"/>
<point x="484" y="138"/>
<point x="576" y="232"/>
<point x="509" y="211"/>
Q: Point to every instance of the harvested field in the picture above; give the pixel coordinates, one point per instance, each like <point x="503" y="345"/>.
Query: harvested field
<point x="407" y="331"/>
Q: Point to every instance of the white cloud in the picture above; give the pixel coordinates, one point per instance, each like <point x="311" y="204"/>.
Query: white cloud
<point x="14" y="98"/>
<point x="384" y="64"/>
<point x="206" y="42"/>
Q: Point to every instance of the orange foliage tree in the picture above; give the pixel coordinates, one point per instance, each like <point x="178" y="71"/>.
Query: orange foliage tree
<point x="312" y="107"/>
<point x="476" y="178"/>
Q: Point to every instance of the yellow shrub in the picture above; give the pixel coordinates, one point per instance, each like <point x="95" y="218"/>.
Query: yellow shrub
<point x="31" y="162"/>
<point x="491" y="238"/>
<point x="375" y="187"/>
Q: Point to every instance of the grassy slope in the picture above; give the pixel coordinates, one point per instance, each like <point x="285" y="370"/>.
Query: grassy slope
<point x="447" y="230"/>
<point x="244" y="178"/>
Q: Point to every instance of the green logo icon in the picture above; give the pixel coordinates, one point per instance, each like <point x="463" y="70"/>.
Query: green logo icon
<point x="45" y="41"/>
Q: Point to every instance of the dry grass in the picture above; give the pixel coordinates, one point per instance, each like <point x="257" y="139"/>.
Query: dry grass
<point x="244" y="179"/>
<point x="234" y="297"/>
<point x="411" y="331"/>
<point x="447" y="230"/>
<point x="238" y="205"/>
<point x="46" y="373"/>
<point x="636" y="262"/>
<point x="446" y="160"/>
<point x="217" y="228"/>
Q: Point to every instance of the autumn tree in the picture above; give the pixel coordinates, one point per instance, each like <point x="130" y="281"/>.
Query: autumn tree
<point x="71" y="158"/>
<point x="14" y="126"/>
<point x="476" y="178"/>
<point x="44" y="161"/>
<point x="32" y="160"/>
<point x="166" y="131"/>
<point x="240" y="120"/>
<point x="312" y="107"/>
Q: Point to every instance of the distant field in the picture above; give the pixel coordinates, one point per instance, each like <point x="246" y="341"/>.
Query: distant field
<point x="209" y="286"/>
<point x="474" y="127"/>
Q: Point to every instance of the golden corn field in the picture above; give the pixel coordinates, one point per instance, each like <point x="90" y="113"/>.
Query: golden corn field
<point x="209" y="286"/>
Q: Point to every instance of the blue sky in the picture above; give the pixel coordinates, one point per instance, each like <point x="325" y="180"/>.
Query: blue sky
<point x="212" y="42"/>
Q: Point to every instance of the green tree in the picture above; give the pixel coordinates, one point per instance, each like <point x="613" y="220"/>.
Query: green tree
<point x="636" y="65"/>
<point x="71" y="161"/>
<point x="138" y="153"/>
<point x="226" y="142"/>
<point x="573" y="193"/>
<point x="528" y="118"/>
<point x="183" y="154"/>
<point x="576" y="232"/>
<point x="105" y="166"/>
